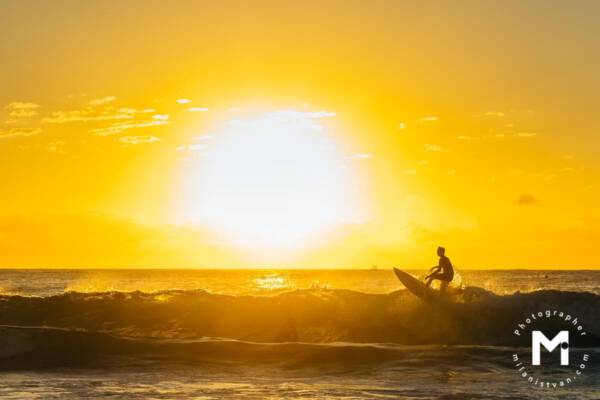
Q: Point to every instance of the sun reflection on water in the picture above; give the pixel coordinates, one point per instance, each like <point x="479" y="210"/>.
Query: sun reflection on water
<point x="272" y="282"/>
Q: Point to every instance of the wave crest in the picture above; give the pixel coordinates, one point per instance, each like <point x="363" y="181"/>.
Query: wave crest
<point x="313" y="315"/>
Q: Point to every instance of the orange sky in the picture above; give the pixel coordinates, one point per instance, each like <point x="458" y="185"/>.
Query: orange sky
<point x="309" y="135"/>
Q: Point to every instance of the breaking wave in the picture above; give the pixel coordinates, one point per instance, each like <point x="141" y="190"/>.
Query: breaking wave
<point x="476" y="317"/>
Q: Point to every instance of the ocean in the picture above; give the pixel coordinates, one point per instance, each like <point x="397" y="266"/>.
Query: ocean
<point x="211" y="334"/>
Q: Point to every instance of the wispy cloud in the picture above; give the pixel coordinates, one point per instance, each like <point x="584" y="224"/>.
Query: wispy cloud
<point x="103" y="100"/>
<point x="498" y="114"/>
<point x="197" y="109"/>
<point x="20" y="105"/>
<point x="139" y="139"/>
<point x="123" y="126"/>
<point x="161" y="117"/>
<point x="466" y="137"/>
<point x="192" y="147"/>
<point x="526" y="200"/>
<point x="435" y="148"/>
<point x="183" y="101"/>
<point x="86" y="115"/>
<point x="57" y="146"/>
<point x="91" y="114"/>
<point x="19" y="109"/>
<point x="13" y="132"/>
<point x="429" y="118"/>
<point x="200" y="144"/>
<point x="402" y="125"/>
<point x="129" y="110"/>
<point x="525" y="134"/>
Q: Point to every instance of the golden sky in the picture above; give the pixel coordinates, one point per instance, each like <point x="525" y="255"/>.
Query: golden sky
<point x="299" y="134"/>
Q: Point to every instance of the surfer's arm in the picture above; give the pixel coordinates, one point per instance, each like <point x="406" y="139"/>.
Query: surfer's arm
<point x="433" y="270"/>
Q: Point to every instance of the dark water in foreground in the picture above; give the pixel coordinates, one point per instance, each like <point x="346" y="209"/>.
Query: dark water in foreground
<point x="284" y="334"/>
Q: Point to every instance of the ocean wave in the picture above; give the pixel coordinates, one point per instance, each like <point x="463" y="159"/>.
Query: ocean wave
<point x="35" y="348"/>
<point x="477" y="317"/>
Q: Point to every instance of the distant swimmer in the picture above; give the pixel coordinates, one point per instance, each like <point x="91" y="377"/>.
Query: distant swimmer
<point x="443" y="271"/>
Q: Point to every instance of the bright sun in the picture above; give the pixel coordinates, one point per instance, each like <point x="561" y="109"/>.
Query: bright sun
<point x="277" y="181"/>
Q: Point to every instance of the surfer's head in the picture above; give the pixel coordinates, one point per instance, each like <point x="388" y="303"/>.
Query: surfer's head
<point x="441" y="251"/>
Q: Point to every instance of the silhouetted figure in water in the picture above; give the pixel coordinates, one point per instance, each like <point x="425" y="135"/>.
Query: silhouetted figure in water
<point x="443" y="271"/>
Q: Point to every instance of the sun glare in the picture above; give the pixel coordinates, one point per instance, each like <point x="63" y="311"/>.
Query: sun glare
<point x="275" y="181"/>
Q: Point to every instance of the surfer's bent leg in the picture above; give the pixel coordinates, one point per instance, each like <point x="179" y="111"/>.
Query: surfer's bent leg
<point x="443" y="277"/>
<point x="436" y="275"/>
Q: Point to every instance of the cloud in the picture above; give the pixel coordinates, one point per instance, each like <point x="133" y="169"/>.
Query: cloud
<point x="103" y="100"/>
<point x="139" y="139"/>
<point x="87" y="115"/>
<point x="465" y="137"/>
<point x="526" y="200"/>
<point x="23" y="113"/>
<point x="57" y="146"/>
<point x="19" y="105"/>
<point x="128" y="110"/>
<point x="18" y="109"/>
<point x="161" y="117"/>
<point x="402" y="125"/>
<point x="122" y="126"/>
<point x="192" y="147"/>
<point x="13" y="132"/>
<point x="498" y="114"/>
<point x="525" y="134"/>
<point x="429" y="118"/>
<point x="435" y="148"/>
<point x="200" y="145"/>
<point x="183" y="101"/>
<point x="197" y="109"/>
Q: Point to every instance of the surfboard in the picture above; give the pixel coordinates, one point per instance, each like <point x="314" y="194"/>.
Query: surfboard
<point x="415" y="286"/>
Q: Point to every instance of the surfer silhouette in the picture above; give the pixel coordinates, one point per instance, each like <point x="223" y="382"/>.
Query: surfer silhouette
<point x="442" y="272"/>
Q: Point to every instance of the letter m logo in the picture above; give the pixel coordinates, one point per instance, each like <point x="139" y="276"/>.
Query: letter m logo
<point x="538" y="339"/>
